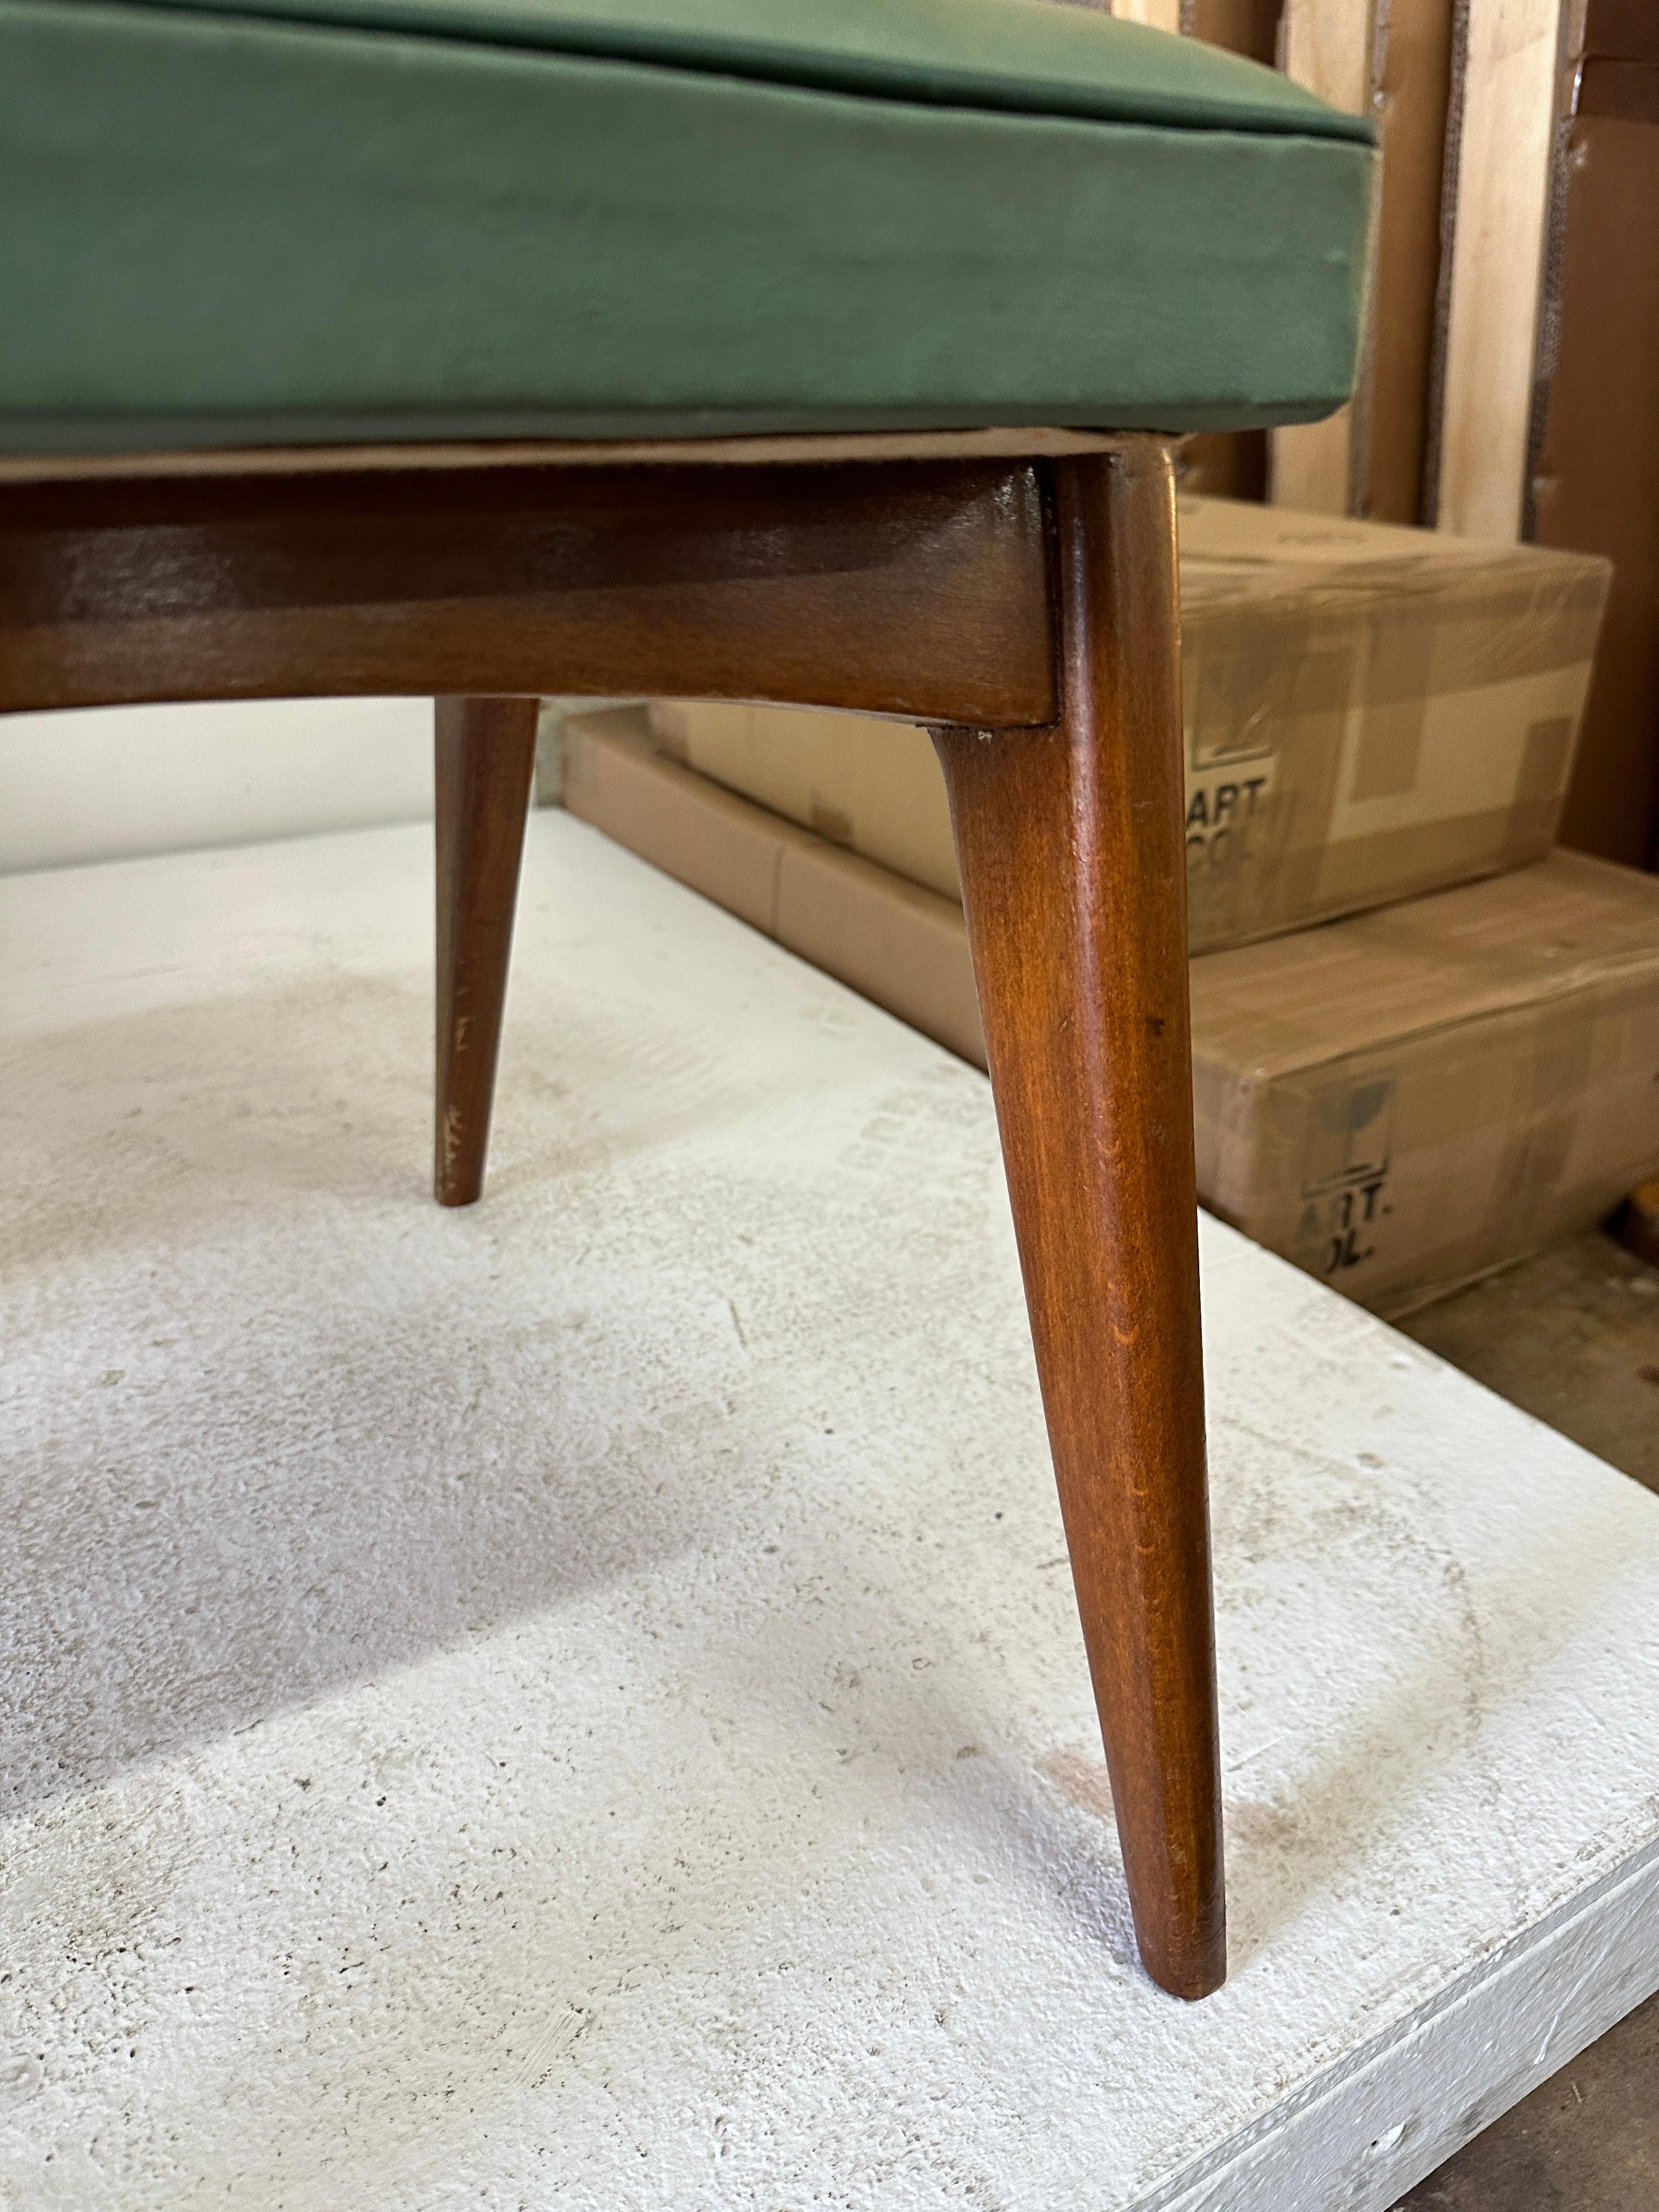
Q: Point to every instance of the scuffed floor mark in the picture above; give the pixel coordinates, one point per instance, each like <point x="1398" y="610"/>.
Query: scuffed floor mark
<point x="1084" y="1779"/>
<point x="552" y="2043"/>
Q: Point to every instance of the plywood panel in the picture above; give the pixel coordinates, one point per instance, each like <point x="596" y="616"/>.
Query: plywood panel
<point x="1157" y="15"/>
<point x="1324" y="44"/>
<point x="1411" y="70"/>
<point x="1504" y="133"/>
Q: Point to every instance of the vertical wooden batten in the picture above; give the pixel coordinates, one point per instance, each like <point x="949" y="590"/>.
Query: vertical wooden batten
<point x="1411" y="69"/>
<point x="1499" y="134"/>
<point x="1222" y="463"/>
<point x="1327" y="46"/>
<point x="1390" y="59"/>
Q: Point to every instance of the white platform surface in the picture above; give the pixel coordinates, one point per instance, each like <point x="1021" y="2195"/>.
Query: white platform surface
<point x="579" y="1705"/>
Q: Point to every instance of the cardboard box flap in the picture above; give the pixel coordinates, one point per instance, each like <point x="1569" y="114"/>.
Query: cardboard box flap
<point x="1230" y="547"/>
<point x="1444" y="615"/>
<point x="1405" y="972"/>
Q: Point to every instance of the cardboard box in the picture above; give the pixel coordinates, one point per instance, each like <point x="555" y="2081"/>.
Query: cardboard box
<point x="1407" y="1099"/>
<point x="1371" y="713"/>
<point x="1397" y="1102"/>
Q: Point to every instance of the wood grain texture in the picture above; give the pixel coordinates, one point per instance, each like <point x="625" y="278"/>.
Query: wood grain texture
<point x="1412" y="81"/>
<point x="1327" y="46"/>
<point x="485" y="758"/>
<point x="934" y="591"/>
<point x="911" y="589"/>
<point x="1499" y="188"/>
<point x="1073" y="878"/>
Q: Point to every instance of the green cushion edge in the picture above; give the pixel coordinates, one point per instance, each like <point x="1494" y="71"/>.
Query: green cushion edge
<point x="85" y="363"/>
<point x="1036" y="57"/>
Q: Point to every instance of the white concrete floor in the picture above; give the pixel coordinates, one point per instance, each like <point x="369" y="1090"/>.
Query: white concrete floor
<point x="580" y="1704"/>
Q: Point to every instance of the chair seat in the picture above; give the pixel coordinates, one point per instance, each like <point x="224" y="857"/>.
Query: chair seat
<point x="250" y="222"/>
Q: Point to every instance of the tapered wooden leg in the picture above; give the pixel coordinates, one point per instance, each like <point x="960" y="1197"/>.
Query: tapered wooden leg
<point x="485" y="758"/>
<point x="1073" y="874"/>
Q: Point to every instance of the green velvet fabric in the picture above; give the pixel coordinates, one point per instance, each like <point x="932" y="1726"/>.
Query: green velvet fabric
<point x="234" y="222"/>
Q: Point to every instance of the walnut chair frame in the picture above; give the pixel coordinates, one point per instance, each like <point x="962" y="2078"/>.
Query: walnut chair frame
<point x="1015" y="591"/>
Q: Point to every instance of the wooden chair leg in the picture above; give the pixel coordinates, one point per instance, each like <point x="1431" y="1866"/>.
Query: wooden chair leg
<point x="1073" y="872"/>
<point x="486" y="757"/>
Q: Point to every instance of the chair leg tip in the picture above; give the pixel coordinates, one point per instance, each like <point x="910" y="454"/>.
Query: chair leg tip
<point x="1191" y="1973"/>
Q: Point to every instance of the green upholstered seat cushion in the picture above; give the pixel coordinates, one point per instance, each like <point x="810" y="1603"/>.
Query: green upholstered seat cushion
<point x="234" y="222"/>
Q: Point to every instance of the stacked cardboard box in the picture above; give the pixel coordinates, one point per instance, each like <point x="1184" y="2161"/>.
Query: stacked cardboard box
<point x="1371" y="713"/>
<point x="1404" y="1100"/>
<point x="1400" y="1100"/>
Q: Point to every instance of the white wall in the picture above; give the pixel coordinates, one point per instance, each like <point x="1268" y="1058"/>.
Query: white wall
<point x="121" y="781"/>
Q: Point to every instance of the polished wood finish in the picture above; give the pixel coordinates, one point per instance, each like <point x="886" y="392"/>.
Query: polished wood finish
<point x="912" y="589"/>
<point x="1073" y="878"/>
<point x="1028" y="604"/>
<point x="484" y="763"/>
